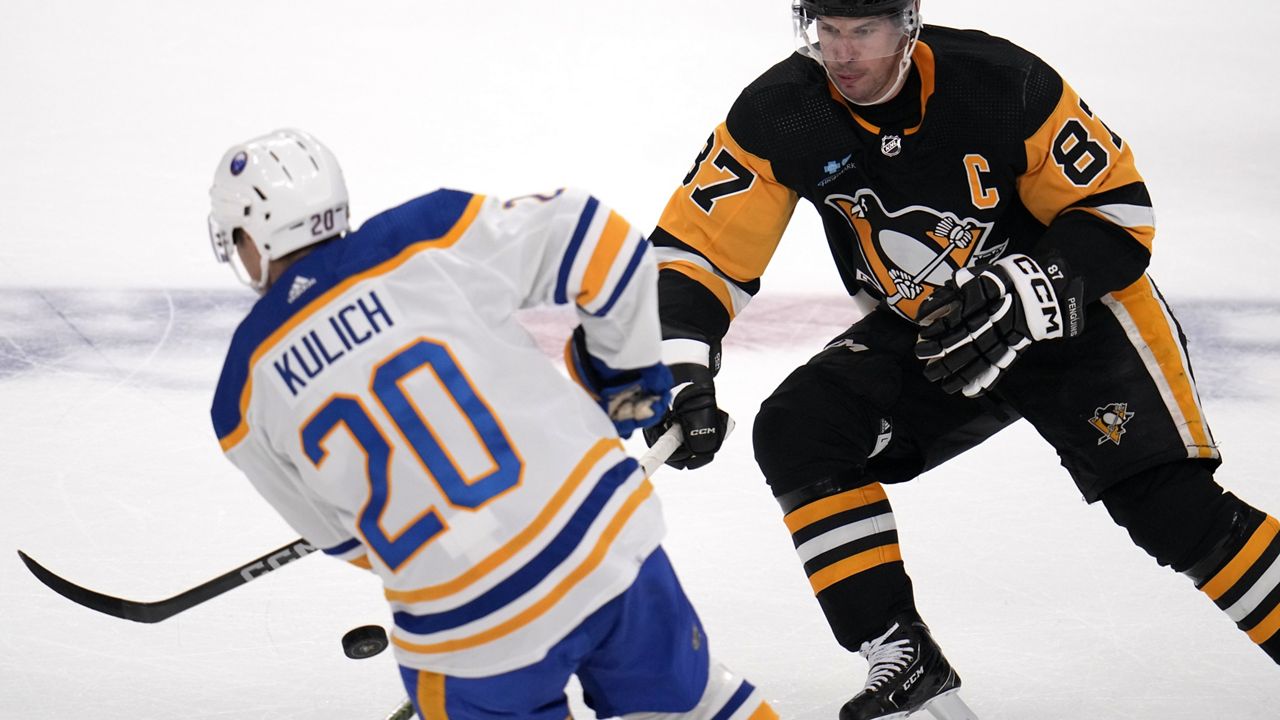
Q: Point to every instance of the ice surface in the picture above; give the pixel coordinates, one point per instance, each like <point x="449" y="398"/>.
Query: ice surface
<point x="114" y="115"/>
<point x="116" y="482"/>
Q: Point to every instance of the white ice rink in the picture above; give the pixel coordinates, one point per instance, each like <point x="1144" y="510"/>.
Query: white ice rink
<point x="113" y="319"/>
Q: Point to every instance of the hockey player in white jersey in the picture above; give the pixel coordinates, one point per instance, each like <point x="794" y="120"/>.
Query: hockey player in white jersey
<point x="383" y="398"/>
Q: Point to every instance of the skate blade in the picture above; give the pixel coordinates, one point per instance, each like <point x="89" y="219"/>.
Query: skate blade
<point x="949" y="706"/>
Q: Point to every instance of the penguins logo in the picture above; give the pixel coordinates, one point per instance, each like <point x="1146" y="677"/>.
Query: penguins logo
<point x="1110" y="421"/>
<point x="912" y="251"/>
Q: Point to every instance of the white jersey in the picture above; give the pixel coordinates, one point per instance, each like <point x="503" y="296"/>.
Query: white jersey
<point x="383" y="398"/>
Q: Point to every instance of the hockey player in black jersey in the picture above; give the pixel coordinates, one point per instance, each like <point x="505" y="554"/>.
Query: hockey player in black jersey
<point x="996" y="231"/>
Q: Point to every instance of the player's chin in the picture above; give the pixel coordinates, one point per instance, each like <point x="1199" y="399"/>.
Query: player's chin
<point x="857" y="92"/>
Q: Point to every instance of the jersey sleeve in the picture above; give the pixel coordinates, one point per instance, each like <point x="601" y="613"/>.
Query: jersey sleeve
<point x="714" y="240"/>
<point x="280" y="484"/>
<point x="1081" y="181"/>
<point x="574" y="249"/>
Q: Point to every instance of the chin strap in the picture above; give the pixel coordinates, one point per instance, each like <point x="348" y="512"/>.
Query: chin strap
<point x="262" y="283"/>
<point x="904" y="68"/>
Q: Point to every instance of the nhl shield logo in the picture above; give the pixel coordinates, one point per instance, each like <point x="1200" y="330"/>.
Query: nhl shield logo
<point x="1110" y="421"/>
<point x="891" y="145"/>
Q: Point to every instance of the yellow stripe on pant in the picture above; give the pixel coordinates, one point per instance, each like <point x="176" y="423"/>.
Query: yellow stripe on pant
<point x="1154" y="334"/>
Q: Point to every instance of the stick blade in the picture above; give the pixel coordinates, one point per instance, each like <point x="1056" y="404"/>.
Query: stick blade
<point x="106" y="604"/>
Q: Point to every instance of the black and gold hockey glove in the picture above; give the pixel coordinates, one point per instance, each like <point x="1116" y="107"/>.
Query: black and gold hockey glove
<point x="976" y="325"/>
<point x="703" y="423"/>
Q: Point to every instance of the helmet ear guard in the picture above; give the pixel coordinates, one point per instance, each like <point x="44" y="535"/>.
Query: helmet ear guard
<point x="285" y="189"/>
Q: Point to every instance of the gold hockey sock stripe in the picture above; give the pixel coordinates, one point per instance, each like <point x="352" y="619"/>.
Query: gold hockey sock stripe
<point x="828" y="506"/>
<point x="1266" y="629"/>
<point x="850" y="566"/>
<point x="1228" y="576"/>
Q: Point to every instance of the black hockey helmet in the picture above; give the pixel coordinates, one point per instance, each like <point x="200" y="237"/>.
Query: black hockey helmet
<point x="839" y="33"/>
<point x="850" y="8"/>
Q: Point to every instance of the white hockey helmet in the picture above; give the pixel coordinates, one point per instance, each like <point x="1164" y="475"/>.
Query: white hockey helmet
<point x="285" y="189"/>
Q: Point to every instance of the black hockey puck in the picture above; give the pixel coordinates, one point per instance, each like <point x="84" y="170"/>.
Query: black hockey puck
<point x="364" y="642"/>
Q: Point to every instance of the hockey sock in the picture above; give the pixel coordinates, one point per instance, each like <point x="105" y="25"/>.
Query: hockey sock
<point x="1245" y="579"/>
<point x="1182" y="518"/>
<point x="848" y="543"/>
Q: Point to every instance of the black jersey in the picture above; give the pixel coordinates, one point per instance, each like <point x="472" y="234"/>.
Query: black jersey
<point x="984" y="153"/>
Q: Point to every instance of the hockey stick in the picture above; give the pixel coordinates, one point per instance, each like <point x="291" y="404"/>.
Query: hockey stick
<point x="154" y="612"/>
<point x="649" y="462"/>
<point x="403" y="712"/>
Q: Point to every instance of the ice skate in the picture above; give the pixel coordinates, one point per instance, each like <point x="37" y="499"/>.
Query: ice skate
<point x="907" y="675"/>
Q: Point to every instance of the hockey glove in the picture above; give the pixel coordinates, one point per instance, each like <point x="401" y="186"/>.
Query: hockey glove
<point x="703" y="423"/>
<point x="632" y="398"/>
<point x="976" y="325"/>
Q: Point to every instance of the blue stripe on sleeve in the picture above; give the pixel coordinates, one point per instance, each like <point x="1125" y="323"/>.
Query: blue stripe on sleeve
<point x="343" y="548"/>
<point x="536" y="570"/>
<point x="744" y="691"/>
<point x="621" y="285"/>
<point x="571" y="253"/>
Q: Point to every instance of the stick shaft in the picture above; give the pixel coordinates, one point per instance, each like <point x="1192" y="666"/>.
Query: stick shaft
<point x="158" y="610"/>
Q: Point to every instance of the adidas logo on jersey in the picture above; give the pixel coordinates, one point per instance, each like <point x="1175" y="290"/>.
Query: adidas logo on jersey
<point x="300" y="285"/>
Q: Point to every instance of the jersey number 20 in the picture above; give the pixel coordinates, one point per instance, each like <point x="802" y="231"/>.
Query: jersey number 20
<point x="461" y="492"/>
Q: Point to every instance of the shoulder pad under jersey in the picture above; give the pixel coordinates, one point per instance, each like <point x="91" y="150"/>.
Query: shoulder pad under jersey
<point x="1008" y="89"/>
<point x="787" y="112"/>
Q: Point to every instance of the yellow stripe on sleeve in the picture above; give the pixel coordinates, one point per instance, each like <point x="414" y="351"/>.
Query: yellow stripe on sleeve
<point x="607" y="247"/>
<point x="1071" y="135"/>
<point x="732" y="211"/>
